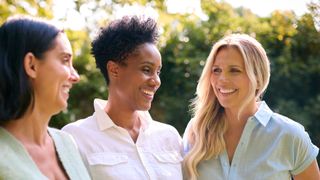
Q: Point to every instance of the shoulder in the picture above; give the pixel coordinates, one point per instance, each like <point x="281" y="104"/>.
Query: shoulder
<point x="288" y="131"/>
<point x="292" y="134"/>
<point x="82" y="131"/>
<point x="297" y="141"/>
<point x="160" y="127"/>
<point x="164" y="134"/>
<point x="59" y="136"/>
<point x="287" y="125"/>
<point x="57" y="132"/>
<point x="10" y="147"/>
<point x="64" y="142"/>
<point x="187" y="136"/>
<point x="81" y="124"/>
<point x="161" y="136"/>
<point x="68" y="152"/>
<point x="279" y="125"/>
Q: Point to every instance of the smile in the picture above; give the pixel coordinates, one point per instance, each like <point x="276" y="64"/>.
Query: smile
<point x="66" y="89"/>
<point x="148" y="92"/>
<point x="227" y="91"/>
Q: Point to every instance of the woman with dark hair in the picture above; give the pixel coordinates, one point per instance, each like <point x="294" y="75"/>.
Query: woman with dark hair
<point x="36" y="74"/>
<point x="121" y="140"/>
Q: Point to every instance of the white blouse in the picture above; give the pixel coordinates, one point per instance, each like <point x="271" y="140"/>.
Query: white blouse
<point x="110" y="153"/>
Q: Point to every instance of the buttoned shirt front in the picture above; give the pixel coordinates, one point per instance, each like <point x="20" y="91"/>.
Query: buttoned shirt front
<point x="271" y="147"/>
<point x="110" y="153"/>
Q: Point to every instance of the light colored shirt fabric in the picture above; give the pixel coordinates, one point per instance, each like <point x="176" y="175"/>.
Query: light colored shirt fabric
<point x="17" y="164"/>
<point x="110" y="153"/>
<point x="271" y="147"/>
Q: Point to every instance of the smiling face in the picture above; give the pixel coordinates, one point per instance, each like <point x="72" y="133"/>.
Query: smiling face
<point x="138" y="80"/>
<point x="55" y="76"/>
<point x="229" y="78"/>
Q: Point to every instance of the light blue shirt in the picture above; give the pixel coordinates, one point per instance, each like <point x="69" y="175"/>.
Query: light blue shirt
<point x="271" y="146"/>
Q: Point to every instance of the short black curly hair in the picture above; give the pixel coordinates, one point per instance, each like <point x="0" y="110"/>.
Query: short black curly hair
<point x="121" y="38"/>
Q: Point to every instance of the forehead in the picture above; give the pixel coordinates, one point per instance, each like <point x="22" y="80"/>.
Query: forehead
<point x="228" y="55"/>
<point x="62" y="44"/>
<point x="146" y="52"/>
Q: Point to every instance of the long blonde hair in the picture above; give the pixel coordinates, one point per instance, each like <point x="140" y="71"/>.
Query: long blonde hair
<point x="206" y="132"/>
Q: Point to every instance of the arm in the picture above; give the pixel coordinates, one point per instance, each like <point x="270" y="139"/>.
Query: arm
<point x="310" y="173"/>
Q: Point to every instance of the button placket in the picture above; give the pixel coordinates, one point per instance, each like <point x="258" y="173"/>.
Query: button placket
<point x="225" y="163"/>
<point x="241" y="148"/>
<point x="144" y="160"/>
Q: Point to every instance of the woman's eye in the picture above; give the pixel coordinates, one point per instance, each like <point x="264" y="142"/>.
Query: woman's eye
<point x="216" y="70"/>
<point x="146" y="70"/>
<point x="235" y="70"/>
<point x="66" y="60"/>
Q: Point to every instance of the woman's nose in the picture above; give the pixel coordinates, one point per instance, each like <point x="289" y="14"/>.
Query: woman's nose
<point x="223" y="77"/>
<point x="155" y="80"/>
<point x="74" y="76"/>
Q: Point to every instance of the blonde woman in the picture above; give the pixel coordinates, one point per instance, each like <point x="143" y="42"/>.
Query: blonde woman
<point x="235" y="135"/>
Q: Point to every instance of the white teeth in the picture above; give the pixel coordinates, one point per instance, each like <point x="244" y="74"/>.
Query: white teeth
<point x="227" y="90"/>
<point x="150" y="93"/>
<point x="66" y="90"/>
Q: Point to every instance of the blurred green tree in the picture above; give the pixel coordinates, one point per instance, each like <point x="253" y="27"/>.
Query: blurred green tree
<point x="292" y="44"/>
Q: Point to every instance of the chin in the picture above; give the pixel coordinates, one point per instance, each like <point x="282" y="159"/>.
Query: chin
<point x="145" y="107"/>
<point x="223" y="104"/>
<point x="63" y="106"/>
<point x="57" y="111"/>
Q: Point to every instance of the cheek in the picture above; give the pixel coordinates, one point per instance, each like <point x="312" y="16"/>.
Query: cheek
<point x="244" y="81"/>
<point x="65" y="72"/>
<point x="213" y="80"/>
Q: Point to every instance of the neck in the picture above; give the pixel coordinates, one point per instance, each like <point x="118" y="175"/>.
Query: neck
<point x="235" y="117"/>
<point x="31" y="128"/>
<point x="124" y="118"/>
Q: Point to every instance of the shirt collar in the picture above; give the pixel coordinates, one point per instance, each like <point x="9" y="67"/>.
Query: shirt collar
<point x="105" y="122"/>
<point x="264" y="113"/>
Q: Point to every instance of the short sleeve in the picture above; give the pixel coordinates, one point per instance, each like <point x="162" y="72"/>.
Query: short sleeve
<point x="178" y="141"/>
<point x="185" y="139"/>
<point x="305" y="151"/>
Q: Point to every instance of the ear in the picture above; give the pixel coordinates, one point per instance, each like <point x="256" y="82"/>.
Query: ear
<point x="30" y="63"/>
<point x="112" y="69"/>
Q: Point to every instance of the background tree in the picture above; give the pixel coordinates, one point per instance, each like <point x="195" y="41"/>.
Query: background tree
<point x="292" y="44"/>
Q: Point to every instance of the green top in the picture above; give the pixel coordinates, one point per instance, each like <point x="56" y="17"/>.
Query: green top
<point x="16" y="163"/>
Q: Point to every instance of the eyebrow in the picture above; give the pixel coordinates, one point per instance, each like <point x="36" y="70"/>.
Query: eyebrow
<point x="66" y="54"/>
<point x="236" y="66"/>
<point x="228" y="66"/>
<point x="150" y="63"/>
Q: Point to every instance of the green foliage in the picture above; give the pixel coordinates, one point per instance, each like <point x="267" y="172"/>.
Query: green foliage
<point x="30" y="7"/>
<point x="292" y="44"/>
